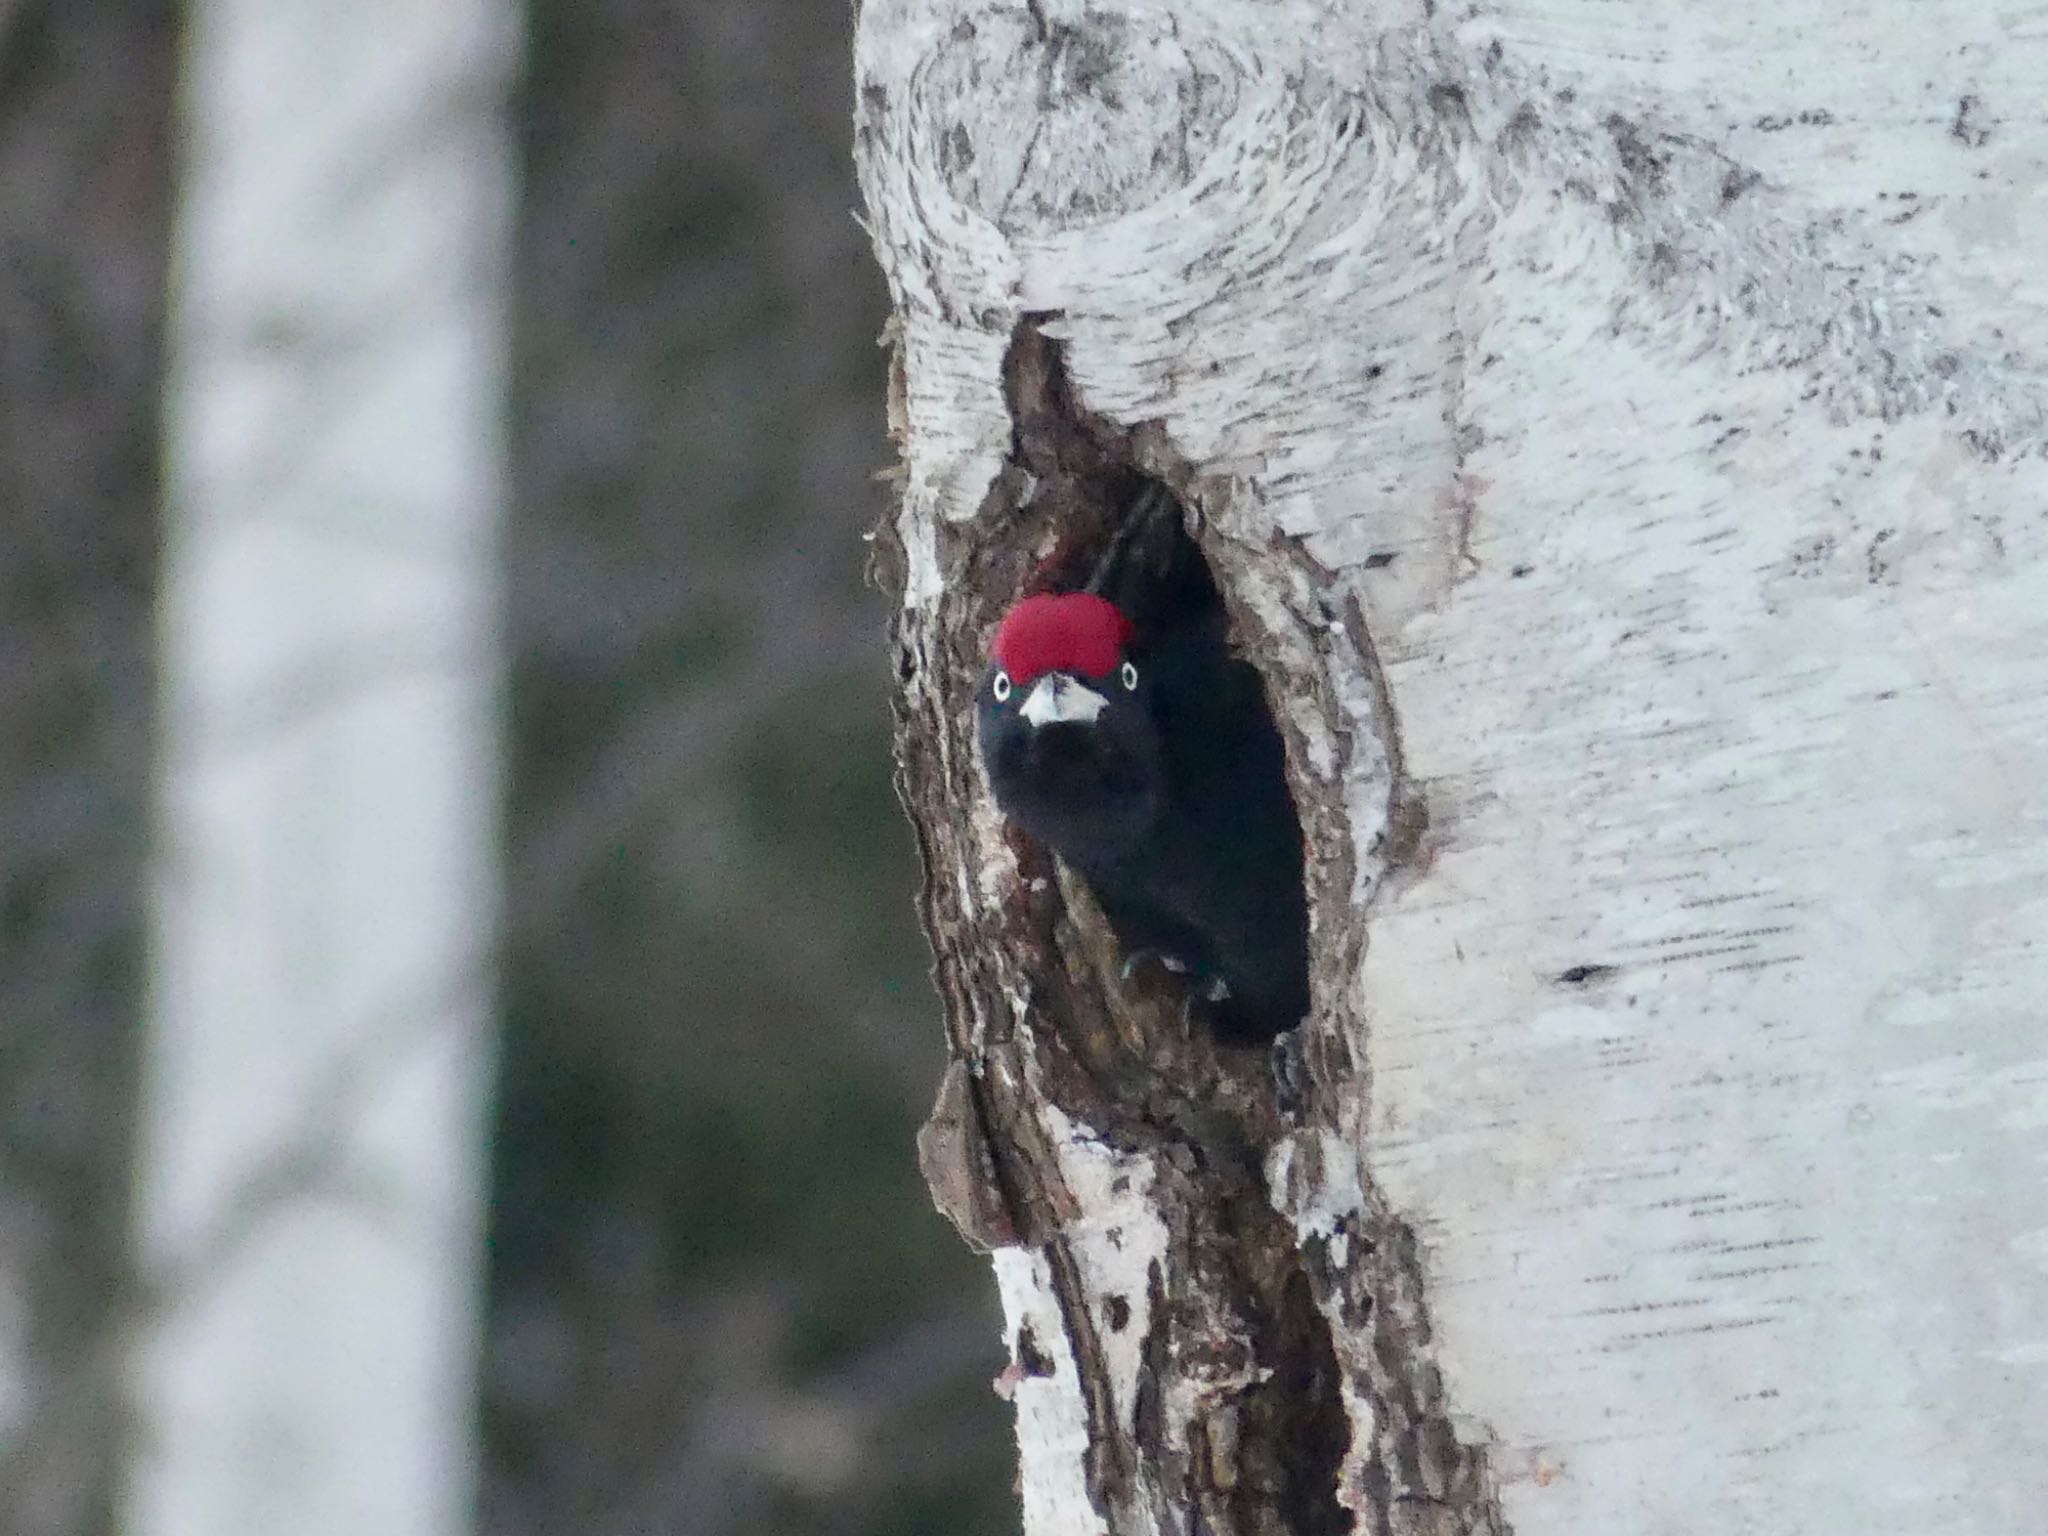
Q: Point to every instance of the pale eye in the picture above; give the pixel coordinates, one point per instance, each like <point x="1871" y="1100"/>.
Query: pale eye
<point x="1130" y="676"/>
<point x="1001" y="686"/>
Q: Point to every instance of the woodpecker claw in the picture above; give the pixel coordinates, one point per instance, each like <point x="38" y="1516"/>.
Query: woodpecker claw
<point x="1138" y="959"/>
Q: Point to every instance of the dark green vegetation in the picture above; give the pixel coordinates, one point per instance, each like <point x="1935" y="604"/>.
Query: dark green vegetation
<point x="721" y="1301"/>
<point x="85" y="99"/>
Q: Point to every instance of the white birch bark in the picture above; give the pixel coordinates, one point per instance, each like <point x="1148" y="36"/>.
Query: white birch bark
<point x="325" y="888"/>
<point x="1621" y="430"/>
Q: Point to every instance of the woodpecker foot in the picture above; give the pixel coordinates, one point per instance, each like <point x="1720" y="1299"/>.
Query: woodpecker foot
<point x="1205" y="1006"/>
<point x="1139" y="959"/>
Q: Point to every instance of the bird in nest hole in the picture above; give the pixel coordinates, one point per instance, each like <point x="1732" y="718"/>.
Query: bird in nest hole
<point x="1119" y="731"/>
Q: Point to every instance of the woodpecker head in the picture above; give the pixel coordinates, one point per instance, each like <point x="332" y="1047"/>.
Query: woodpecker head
<point x="1066" y="730"/>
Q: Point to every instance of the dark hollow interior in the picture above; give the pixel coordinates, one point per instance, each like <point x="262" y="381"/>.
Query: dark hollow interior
<point x="1129" y="540"/>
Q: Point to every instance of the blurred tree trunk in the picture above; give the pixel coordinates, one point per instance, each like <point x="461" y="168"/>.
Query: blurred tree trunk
<point x="1620" y="433"/>
<point x="325" y="885"/>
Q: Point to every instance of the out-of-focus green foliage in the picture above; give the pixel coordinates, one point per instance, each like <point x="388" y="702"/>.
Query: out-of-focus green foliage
<point x="85" y="191"/>
<point x="721" y="1301"/>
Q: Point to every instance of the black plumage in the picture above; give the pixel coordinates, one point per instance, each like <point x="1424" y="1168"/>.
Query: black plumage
<point x="1154" y="769"/>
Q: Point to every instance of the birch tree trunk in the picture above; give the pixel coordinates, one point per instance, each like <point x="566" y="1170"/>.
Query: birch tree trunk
<point x="1620" y="434"/>
<point x="325" y="882"/>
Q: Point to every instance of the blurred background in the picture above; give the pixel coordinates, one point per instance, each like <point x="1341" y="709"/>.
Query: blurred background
<point x="715" y="1296"/>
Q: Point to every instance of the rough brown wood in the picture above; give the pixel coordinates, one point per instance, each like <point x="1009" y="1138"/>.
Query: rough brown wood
<point x="1242" y="1409"/>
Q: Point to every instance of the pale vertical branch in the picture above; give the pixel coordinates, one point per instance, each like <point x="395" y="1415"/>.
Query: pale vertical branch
<point x="325" y="890"/>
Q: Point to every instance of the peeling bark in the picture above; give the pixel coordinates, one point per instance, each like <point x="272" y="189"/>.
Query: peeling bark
<point x="1598" y="487"/>
<point x="1174" y="1233"/>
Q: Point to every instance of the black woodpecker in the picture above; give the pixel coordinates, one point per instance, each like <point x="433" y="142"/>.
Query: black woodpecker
<point x="1136" y="747"/>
